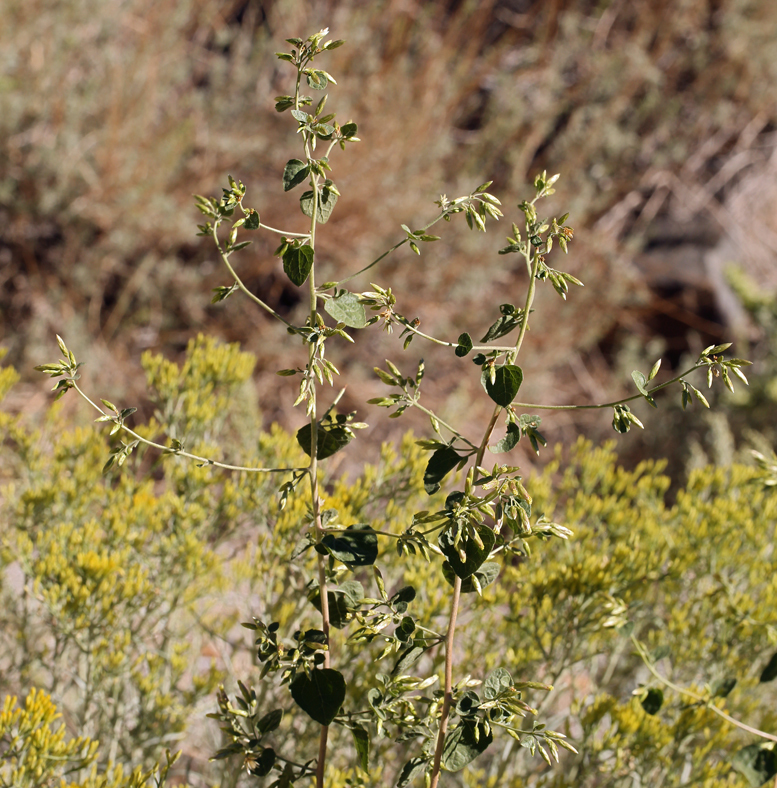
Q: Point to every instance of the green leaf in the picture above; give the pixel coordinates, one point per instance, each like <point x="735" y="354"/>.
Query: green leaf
<point x="317" y="80"/>
<point x="485" y="575"/>
<point x="270" y="721"/>
<point x="464" y="346"/>
<point x="282" y="103"/>
<point x="342" y="602"/>
<point x="402" y="598"/>
<point x="415" y="767"/>
<point x="467" y="704"/>
<point x="252" y="220"/>
<point x="714" y="350"/>
<point x="228" y="751"/>
<point x="497" y="682"/>
<point x="319" y="695"/>
<point x="330" y="440"/>
<point x="653" y="700"/>
<point x="346" y="309"/>
<point x="509" y="441"/>
<point x="475" y="555"/>
<point x="509" y="320"/>
<point x="349" y="130"/>
<point x="353" y="591"/>
<point x="721" y="688"/>
<point x="641" y="382"/>
<point x="407" y="657"/>
<point x="769" y="673"/>
<point x="327" y="199"/>
<point x="361" y="740"/>
<point x="506" y="383"/>
<point x="356" y="546"/>
<point x="297" y="263"/>
<point x="405" y="629"/>
<point x="440" y="464"/>
<point x="463" y="744"/>
<point x="757" y="763"/>
<point x="294" y="173"/>
<point x="264" y="763"/>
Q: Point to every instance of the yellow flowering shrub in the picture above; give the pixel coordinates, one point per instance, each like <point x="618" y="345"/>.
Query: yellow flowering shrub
<point x="122" y="595"/>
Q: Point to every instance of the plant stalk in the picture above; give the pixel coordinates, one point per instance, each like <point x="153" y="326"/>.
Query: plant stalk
<point x="449" y="639"/>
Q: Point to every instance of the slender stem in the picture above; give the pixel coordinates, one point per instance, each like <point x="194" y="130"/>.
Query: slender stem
<point x="181" y="453"/>
<point x="442" y="423"/>
<point x="529" y="301"/>
<point x="283" y="232"/>
<point x="449" y="640"/>
<point x="488" y="348"/>
<point x="396" y="246"/>
<point x="314" y="494"/>
<point x="448" y="698"/>
<point x="707" y="703"/>
<point x="609" y="404"/>
<point x="239" y="282"/>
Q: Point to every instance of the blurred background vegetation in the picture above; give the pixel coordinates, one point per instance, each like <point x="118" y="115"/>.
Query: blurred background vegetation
<point x="660" y="117"/>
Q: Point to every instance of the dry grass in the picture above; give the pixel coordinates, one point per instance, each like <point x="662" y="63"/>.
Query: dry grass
<point x="113" y="113"/>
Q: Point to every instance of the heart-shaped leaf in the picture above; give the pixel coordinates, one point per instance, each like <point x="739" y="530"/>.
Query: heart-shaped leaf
<point x="356" y="546"/>
<point x="770" y="671"/>
<point x="653" y="700"/>
<point x="327" y="198"/>
<point x="294" y="173"/>
<point x="346" y="309"/>
<point x="440" y="464"/>
<point x="757" y="763"/>
<point x="509" y="441"/>
<point x="463" y="744"/>
<point x="264" y="763"/>
<point x="497" y="682"/>
<point x="297" y="263"/>
<point x="319" y="695"/>
<point x="464" y="346"/>
<point x="474" y="553"/>
<point x="343" y="602"/>
<point x="486" y="575"/>
<point x="330" y="440"/>
<point x="507" y="381"/>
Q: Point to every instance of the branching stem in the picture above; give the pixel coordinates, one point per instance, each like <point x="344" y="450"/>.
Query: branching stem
<point x="677" y="378"/>
<point x="239" y="282"/>
<point x="706" y="702"/>
<point x="181" y="452"/>
<point x="481" y="450"/>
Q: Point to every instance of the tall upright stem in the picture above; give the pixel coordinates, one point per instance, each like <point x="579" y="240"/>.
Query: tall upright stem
<point x="315" y="499"/>
<point x="450" y="636"/>
<point x="448" y="698"/>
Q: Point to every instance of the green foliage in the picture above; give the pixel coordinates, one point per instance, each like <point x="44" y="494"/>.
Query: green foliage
<point x="127" y="566"/>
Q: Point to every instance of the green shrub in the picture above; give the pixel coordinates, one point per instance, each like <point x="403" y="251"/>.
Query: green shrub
<point x="133" y="570"/>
